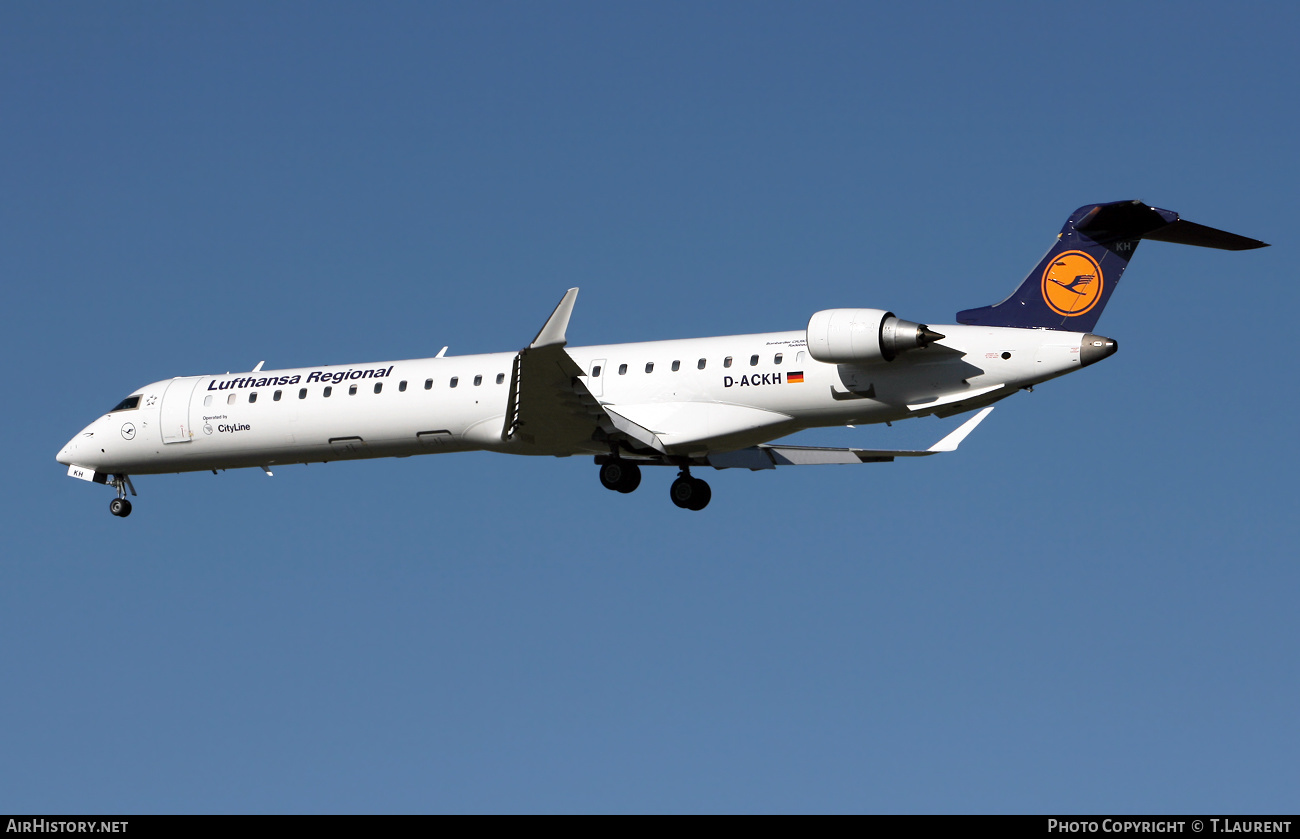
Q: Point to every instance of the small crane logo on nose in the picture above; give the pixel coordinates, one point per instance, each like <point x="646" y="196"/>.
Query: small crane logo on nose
<point x="128" y="432"/>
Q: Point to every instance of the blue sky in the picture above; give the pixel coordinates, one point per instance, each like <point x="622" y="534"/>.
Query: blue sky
<point x="1089" y="608"/>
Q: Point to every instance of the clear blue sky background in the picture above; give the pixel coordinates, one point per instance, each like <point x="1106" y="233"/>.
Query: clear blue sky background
<point x="1090" y="607"/>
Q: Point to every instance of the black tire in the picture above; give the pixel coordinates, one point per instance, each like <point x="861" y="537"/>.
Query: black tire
<point x="120" y="507"/>
<point x="631" y="478"/>
<point x="700" y="498"/>
<point x="682" y="492"/>
<point x="620" y="475"/>
<point x="613" y="474"/>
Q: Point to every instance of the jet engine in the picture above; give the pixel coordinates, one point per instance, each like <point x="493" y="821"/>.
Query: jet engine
<point x="864" y="336"/>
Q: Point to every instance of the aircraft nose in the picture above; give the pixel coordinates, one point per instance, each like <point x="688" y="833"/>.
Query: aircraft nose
<point x="67" y="455"/>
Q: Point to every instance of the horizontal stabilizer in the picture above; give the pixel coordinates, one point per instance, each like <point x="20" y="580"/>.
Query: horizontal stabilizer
<point x="1184" y="232"/>
<point x="1135" y="220"/>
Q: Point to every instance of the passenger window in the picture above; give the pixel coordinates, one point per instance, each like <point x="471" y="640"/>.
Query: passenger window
<point x="455" y="380"/>
<point x="428" y="384"/>
<point x="753" y="361"/>
<point x="777" y="360"/>
<point x="276" y="397"/>
<point x="677" y="365"/>
<point x="379" y="386"/>
<point x="207" y="401"/>
<point x="252" y="397"/>
<point x="230" y="400"/>
<point x="700" y="366"/>
<point x="401" y="387"/>
<point x="328" y="391"/>
<point x="649" y="366"/>
<point x="501" y="377"/>
<point x="595" y="371"/>
<point x="352" y="390"/>
<point x="622" y="369"/>
<point x="302" y="393"/>
<point x="478" y="380"/>
<point x="726" y="362"/>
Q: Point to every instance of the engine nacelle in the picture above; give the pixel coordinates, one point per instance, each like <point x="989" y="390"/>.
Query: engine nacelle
<point x="864" y="336"/>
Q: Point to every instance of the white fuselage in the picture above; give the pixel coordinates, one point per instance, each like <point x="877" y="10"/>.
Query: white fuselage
<point x="425" y="406"/>
<point x="431" y="405"/>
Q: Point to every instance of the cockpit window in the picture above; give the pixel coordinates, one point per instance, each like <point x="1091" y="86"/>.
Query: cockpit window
<point x="128" y="404"/>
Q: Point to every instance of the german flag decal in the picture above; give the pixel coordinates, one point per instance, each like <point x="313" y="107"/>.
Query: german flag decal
<point x="794" y="377"/>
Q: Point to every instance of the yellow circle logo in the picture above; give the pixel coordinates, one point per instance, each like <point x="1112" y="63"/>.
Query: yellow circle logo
<point x="1072" y="283"/>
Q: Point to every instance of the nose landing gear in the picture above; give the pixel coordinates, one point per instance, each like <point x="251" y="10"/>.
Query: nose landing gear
<point x="120" y="506"/>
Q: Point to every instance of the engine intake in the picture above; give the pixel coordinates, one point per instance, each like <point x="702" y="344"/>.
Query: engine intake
<point x="864" y="336"/>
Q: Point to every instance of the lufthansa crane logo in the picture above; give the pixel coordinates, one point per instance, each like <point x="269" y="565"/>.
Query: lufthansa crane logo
<point x="1072" y="283"/>
<point x="128" y="432"/>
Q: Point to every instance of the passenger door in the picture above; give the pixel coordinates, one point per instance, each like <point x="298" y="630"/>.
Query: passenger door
<point x="174" y="416"/>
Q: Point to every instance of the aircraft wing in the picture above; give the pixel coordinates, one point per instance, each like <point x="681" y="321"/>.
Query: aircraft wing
<point x="549" y="406"/>
<point x="771" y="456"/>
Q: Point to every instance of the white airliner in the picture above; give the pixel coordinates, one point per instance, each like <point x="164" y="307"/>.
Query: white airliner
<point x="702" y="402"/>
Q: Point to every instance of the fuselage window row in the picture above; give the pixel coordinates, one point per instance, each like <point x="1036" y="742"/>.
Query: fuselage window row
<point x="596" y="370"/>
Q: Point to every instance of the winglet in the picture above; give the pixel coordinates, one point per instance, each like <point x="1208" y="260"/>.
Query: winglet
<point x="953" y="440"/>
<point x="552" y="334"/>
<point x="258" y="368"/>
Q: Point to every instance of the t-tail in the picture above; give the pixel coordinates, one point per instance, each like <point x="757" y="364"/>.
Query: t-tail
<point x="1073" y="282"/>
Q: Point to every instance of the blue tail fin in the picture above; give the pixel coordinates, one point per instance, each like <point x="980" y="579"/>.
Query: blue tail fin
<point x="1071" y="285"/>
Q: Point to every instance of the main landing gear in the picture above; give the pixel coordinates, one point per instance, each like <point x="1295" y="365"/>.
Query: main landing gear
<point x="620" y="475"/>
<point x="690" y="493"/>
<point x="686" y="492"/>
<point x="120" y="506"/>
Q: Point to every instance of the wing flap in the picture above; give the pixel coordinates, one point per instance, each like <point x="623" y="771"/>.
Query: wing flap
<point x="769" y="457"/>
<point x="679" y="426"/>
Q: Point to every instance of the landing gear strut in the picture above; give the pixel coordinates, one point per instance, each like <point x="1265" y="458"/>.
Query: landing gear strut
<point x="119" y="506"/>
<point x="689" y="493"/>
<point x="620" y="475"/>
